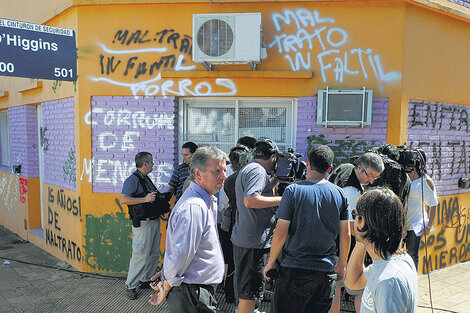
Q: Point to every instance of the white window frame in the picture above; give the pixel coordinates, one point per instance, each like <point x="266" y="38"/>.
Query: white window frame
<point x="289" y="103"/>
<point x="5" y="137"/>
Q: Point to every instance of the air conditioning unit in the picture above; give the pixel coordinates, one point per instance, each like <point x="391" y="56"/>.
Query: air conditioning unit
<point x="230" y="38"/>
<point x="344" y="107"/>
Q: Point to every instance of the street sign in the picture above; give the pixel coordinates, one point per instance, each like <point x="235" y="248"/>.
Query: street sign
<point x="37" y="51"/>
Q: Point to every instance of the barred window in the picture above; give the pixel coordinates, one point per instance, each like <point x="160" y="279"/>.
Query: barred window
<point x="221" y="121"/>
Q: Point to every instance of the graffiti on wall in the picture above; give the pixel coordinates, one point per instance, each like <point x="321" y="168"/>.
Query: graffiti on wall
<point x="63" y="220"/>
<point x="318" y="39"/>
<point x="9" y="191"/>
<point x="140" y="67"/>
<point x="23" y="189"/>
<point x="110" y="137"/>
<point x="449" y="243"/>
<point x="343" y="149"/>
<point x="114" y="172"/>
<point x="107" y="241"/>
<point x="447" y="140"/>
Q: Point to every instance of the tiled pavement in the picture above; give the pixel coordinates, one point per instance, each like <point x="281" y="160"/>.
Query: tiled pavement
<point x="35" y="281"/>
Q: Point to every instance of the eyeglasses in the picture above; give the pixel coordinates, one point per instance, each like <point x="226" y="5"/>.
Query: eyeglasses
<point x="354" y="214"/>
<point x="370" y="176"/>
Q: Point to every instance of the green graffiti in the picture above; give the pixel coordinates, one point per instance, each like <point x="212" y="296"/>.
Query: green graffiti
<point x="70" y="171"/>
<point x="344" y="149"/>
<point x="108" y="241"/>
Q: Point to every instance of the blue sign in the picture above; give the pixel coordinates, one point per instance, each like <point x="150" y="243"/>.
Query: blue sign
<point x="37" y="51"/>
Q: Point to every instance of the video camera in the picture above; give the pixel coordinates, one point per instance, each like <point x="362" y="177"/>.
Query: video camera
<point x="412" y="159"/>
<point x="289" y="168"/>
<point x="239" y="156"/>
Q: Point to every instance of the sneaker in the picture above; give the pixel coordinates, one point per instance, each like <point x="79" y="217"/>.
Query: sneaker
<point x="145" y="284"/>
<point x="131" y="294"/>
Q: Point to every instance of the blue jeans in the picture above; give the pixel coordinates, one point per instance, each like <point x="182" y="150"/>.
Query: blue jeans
<point x="301" y="291"/>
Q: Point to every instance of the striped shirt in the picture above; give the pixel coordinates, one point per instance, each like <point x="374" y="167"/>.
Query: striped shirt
<point x="178" y="178"/>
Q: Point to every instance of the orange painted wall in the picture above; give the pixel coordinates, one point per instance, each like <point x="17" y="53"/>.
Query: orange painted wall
<point x="422" y="54"/>
<point x="450" y="242"/>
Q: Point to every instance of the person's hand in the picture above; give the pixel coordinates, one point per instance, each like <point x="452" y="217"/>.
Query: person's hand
<point x="340" y="271"/>
<point x="160" y="296"/>
<point x="266" y="269"/>
<point x="150" y="197"/>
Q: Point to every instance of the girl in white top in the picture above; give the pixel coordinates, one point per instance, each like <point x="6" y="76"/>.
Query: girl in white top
<point x="422" y="190"/>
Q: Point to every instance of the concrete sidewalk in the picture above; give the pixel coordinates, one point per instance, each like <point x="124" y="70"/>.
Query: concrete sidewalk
<point x="35" y="281"/>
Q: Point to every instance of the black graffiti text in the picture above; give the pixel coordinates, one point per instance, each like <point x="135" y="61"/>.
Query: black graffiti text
<point x="67" y="246"/>
<point x="142" y="68"/>
<point x="53" y="218"/>
<point x="458" y="164"/>
<point x="435" y="117"/>
<point x="67" y="203"/>
<point x="179" y="42"/>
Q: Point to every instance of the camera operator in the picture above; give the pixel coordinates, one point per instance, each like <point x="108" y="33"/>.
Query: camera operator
<point x="417" y="223"/>
<point x="352" y="178"/>
<point x="394" y="176"/>
<point x="139" y="193"/>
<point x="254" y="223"/>
<point x="312" y="214"/>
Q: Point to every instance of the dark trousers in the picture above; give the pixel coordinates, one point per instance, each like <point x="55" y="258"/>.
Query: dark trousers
<point x="300" y="291"/>
<point x="192" y="298"/>
<point x="412" y="246"/>
<point x="227" y="250"/>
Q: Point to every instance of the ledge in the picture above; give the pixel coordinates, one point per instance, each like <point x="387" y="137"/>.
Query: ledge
<point x="446" y="7"/>
<point x="4" y="94"/>
<point x="34" y="84"/>
<point x="237" y="74"/>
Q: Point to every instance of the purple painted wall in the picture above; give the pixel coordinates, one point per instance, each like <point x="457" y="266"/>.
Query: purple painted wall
<point x="58" y="118"/>
<point x="23" y="123"/>
<point x="442" y="130"/>
<point x="124" y="126"/>
<point x="345" y="141"/>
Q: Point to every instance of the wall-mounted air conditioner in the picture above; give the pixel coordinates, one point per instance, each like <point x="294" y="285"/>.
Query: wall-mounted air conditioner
<point x="230" y="38"/>
<point x="344" y="107"/>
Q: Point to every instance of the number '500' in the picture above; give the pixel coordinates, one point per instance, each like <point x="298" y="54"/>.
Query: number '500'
<point x="7" y="67"/>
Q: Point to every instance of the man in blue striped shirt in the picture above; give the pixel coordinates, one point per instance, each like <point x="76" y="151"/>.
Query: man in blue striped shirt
<point x="181" y="171"/>
<point x="194" y="263"/>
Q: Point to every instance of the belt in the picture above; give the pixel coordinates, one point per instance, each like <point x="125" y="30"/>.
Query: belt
<point x="148" y="219"/>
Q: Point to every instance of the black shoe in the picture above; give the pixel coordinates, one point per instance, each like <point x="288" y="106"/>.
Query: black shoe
<point x="131" y="294"/>
<point x="145" y="284"/>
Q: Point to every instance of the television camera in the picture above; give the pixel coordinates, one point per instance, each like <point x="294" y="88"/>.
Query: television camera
<point x="289" y="168"/>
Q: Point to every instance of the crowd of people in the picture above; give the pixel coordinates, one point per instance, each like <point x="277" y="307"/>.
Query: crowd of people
<point x="335" y="229"/>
